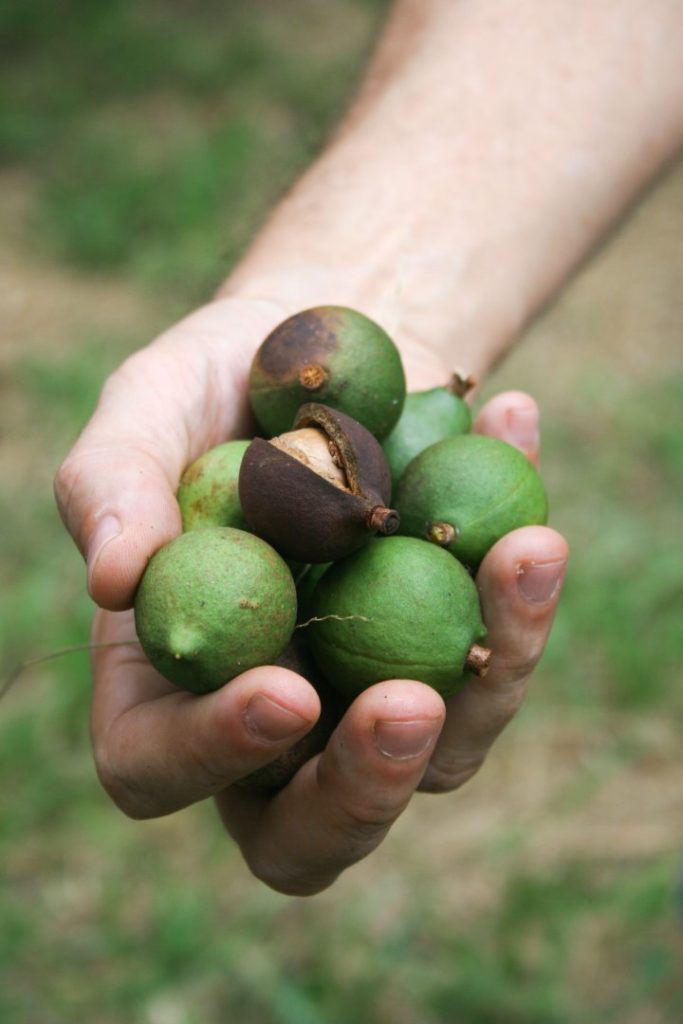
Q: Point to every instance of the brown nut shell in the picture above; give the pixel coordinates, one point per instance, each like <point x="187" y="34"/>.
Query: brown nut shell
<point x="303" y="514"/>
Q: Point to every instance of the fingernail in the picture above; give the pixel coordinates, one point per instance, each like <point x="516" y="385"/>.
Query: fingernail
<point x="268" y="720"/>
<point x="522" y="429"/>
<point x="539" y="582"/>
<point x="107" y="528"/>
<point x="405" y="740"/>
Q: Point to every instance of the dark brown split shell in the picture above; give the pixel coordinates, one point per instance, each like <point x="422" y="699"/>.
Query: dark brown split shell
<point x="302" y="514"/>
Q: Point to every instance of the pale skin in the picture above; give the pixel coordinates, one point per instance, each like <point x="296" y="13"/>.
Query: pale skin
<point x="491" y="145"/>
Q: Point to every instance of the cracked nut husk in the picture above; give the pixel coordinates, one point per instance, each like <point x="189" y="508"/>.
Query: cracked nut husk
<point x="320" y="491"/>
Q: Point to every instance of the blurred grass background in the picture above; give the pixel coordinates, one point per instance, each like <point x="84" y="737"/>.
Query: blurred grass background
<point x="142" y="143"/>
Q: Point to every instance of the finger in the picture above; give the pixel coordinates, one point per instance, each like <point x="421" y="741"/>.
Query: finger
<point x="158" y="748"/>
<point x="512" y="416"/>
<point x="165" y="405"/>
<point x="519" y="584"/>
<point x="340" y="805"/>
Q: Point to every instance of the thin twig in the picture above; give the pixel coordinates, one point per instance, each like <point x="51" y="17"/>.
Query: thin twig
<point x="339" y="618"/>
<point x="72" y="649"/>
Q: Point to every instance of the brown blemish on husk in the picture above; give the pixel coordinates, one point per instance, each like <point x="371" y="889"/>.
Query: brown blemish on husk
<point x="193" y="473"/>
<point x="308" y="339"/>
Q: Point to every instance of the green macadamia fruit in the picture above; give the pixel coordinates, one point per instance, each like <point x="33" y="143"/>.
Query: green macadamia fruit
<point x="212" y="604"/>
<point x="208" y="493"/>
<point x="332" y="355"/>
<point x="427" y="417"/>
<point x="400" y="608"/>
<point x="465" y="493"/>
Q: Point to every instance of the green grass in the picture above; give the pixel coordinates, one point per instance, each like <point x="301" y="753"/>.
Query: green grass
<point x="154" y="137"/>
<point x="122" y="936"/>
<point x="624" y="592"/>
<point x="160" y="134"/>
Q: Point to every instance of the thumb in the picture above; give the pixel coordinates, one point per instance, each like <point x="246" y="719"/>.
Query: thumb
<point x="120" y="508"/>
<point x="116" y="489"/>
<point x="163" y="407"/>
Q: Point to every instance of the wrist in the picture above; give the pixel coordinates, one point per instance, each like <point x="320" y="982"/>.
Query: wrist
<point x="454" y="201"/>
<point x="437" y="330"/>
<point x="291" y="290"/>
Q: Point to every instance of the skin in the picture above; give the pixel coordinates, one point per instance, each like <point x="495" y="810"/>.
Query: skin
<point x="532" y="125"/>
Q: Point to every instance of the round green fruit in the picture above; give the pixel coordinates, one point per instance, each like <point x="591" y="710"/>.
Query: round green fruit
<point x="331" y="355"/>
<point x="399" y="608"/>
<point x="214" y="603"/>
<point x="427" y="417"/>
<point x="208" y="493"/>
<point x="465" y="493"/>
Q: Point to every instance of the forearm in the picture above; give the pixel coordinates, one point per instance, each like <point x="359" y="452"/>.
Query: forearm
<point x="491" y="145"/>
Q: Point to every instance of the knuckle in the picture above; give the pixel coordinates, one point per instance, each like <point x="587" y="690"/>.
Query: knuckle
<point x="65" y="481"/>
<point x="506" y="702"/>
<point x="362" y="819"/>
<point x="366" y="824"/>
<point x="125" y="374"/>
<point x="202" y="765"/>
<point x="120" y="790"/>
<point x="509" y="669"/>
<point x="444" y="777"/>
<point x="518" y="665"/>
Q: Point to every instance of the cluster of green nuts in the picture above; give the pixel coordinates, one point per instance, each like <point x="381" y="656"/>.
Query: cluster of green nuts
<point x="342" y="542"/>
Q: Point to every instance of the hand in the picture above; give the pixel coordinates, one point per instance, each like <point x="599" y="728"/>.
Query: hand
<point x="158" y="749"/>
